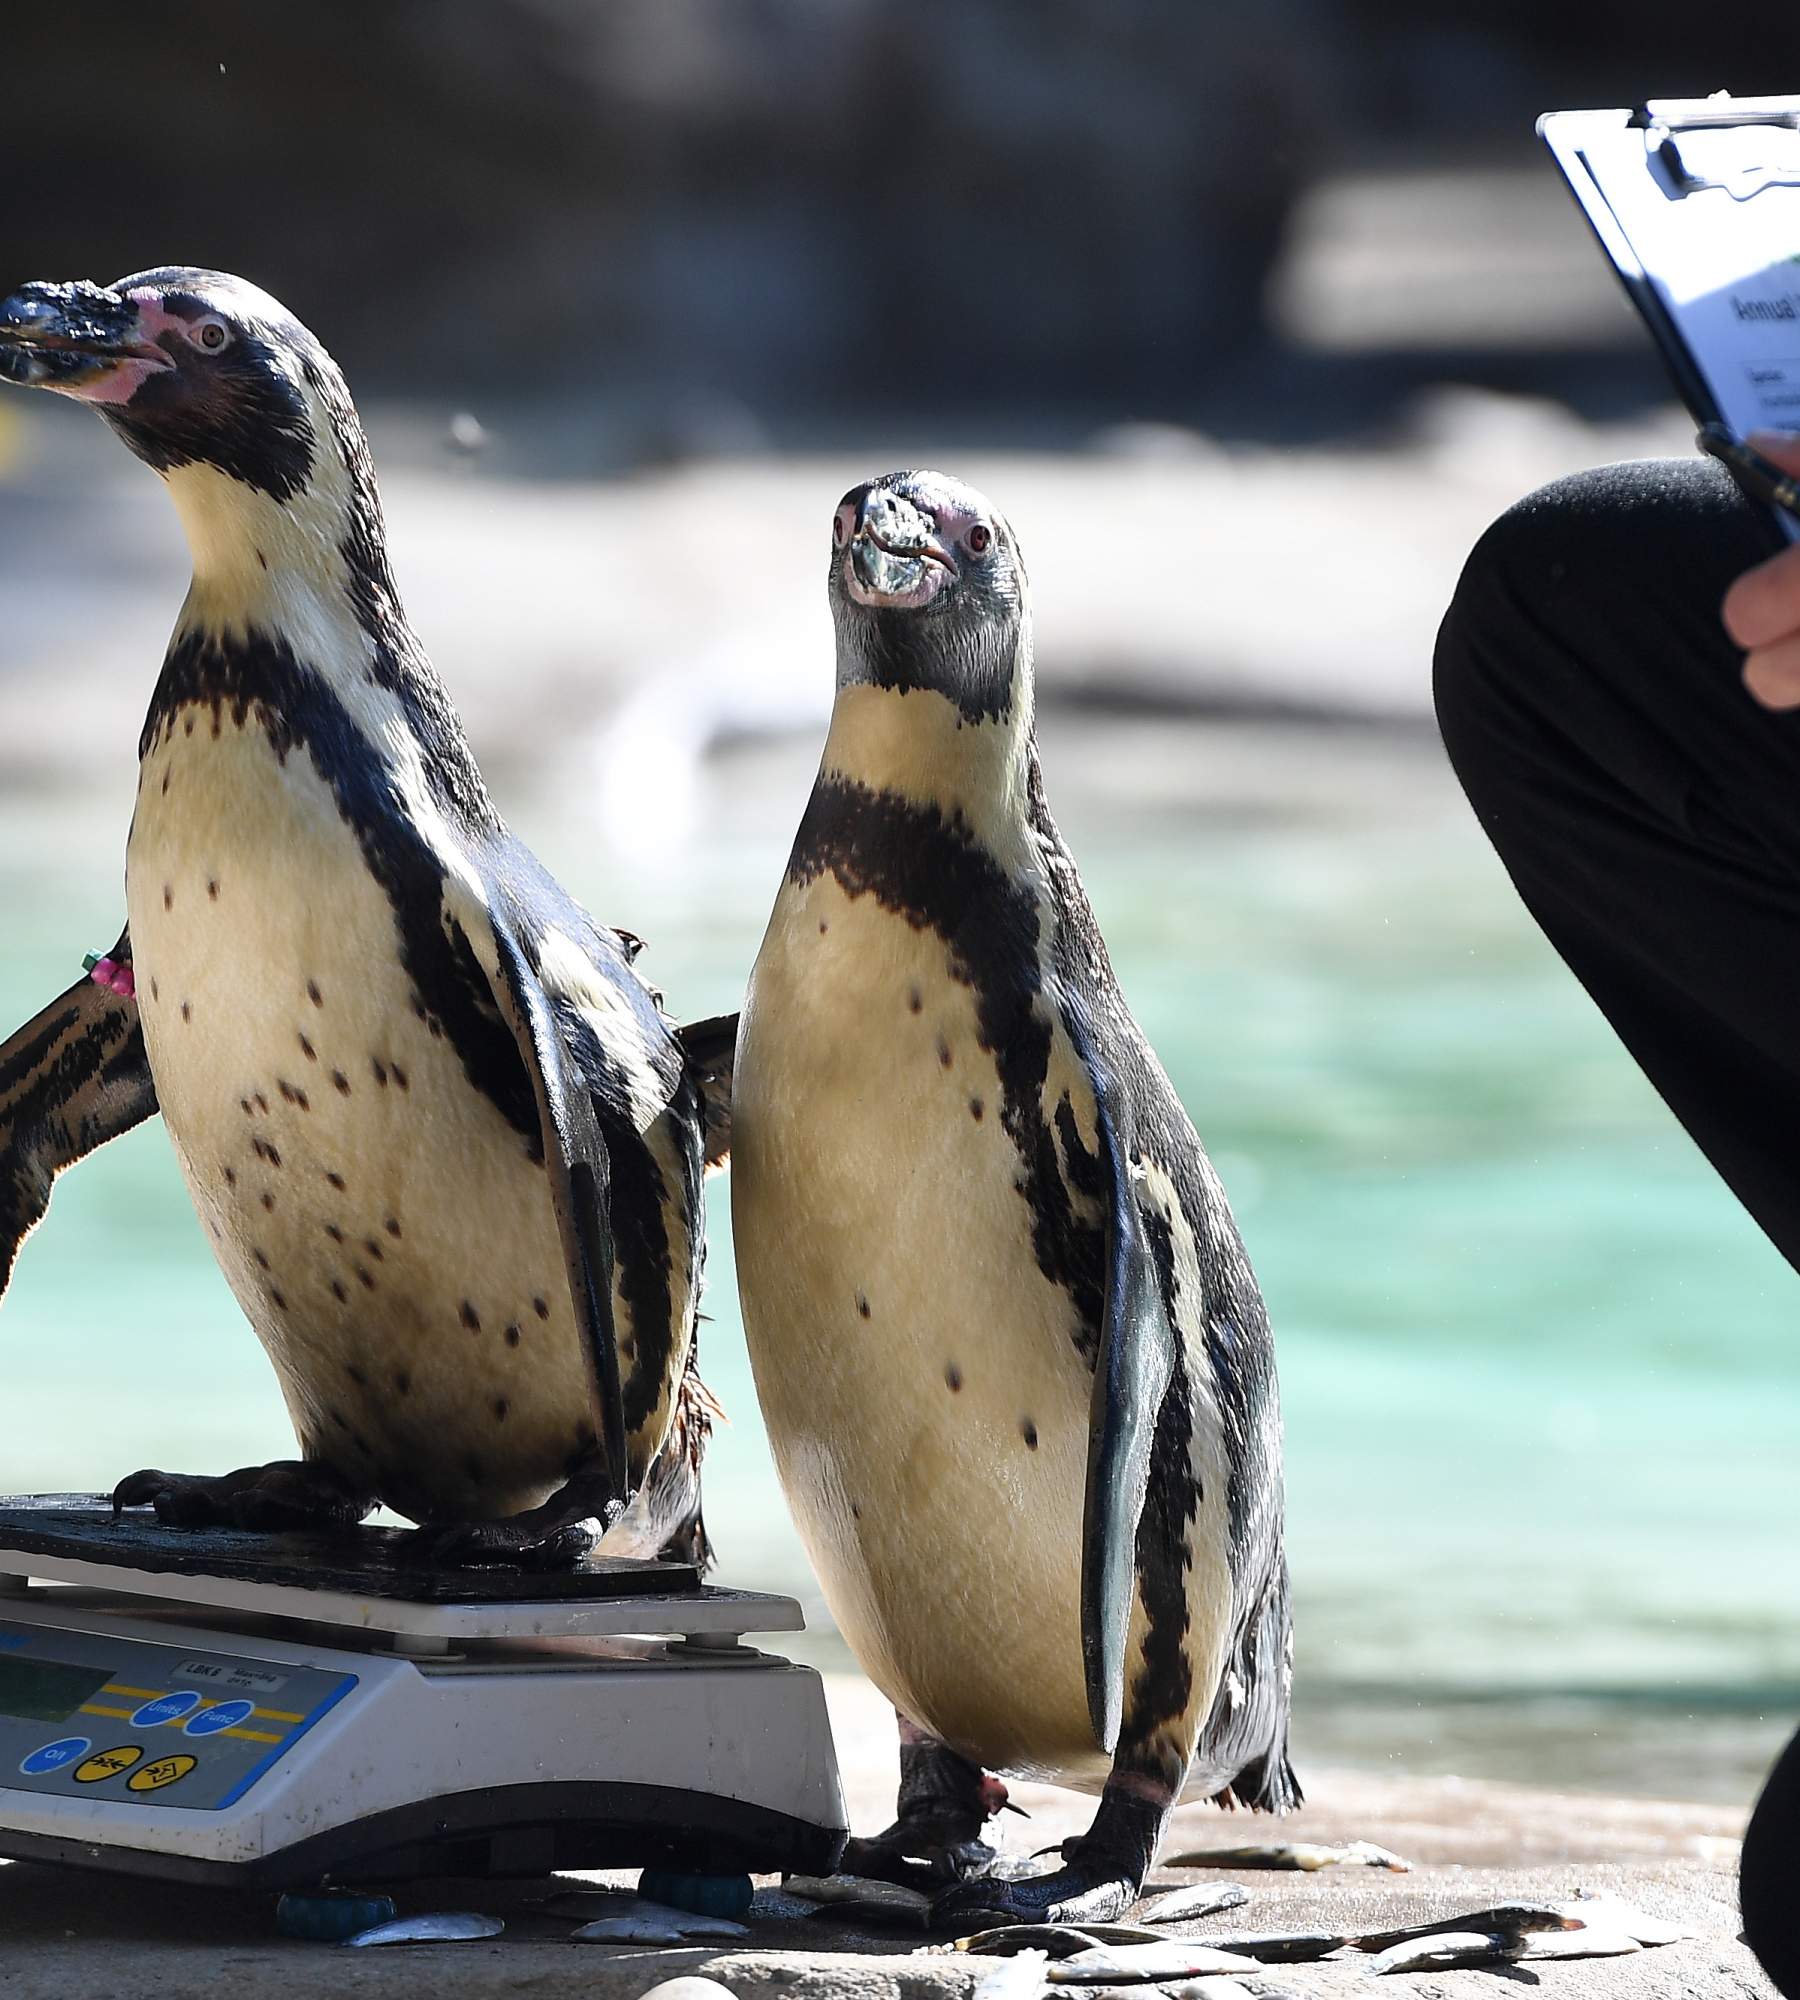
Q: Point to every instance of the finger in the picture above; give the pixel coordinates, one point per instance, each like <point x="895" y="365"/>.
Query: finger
<point x="1772" y="673"/>
<point x="1763" y="605"/>
<point x="1781" y="446"/>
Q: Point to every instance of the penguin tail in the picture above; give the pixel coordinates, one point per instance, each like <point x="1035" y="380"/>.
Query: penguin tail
<point x="664" y="1518"/>
<point x="711" y="1050"/>
<point x="1247" y="1731"/>
<point x="1266" y="1784"/>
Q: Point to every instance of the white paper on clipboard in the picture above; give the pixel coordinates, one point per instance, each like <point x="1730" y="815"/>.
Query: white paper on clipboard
<point x="1697" y="204"/>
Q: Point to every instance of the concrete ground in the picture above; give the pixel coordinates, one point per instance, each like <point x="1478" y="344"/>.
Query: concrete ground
<point x="67" y="1936"/>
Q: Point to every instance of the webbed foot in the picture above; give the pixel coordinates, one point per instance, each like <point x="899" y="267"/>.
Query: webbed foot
<point x="268" y="1499"/>
<point x="944" y="1802"/>
<point x="1102" y="1873"/>
<point x="901" y="1855"/>
<point x="518" y="1543"/>
<point x="1076" y="1894"/>
<point x="554" y="1536"/>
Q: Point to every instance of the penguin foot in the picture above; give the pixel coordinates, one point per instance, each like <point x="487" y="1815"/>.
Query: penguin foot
<point x="944" y="1802"/>
<point x="289" y="1495"/>
<point x="519" y="1543"/>
<point x="554" y="1536"/>
<point x="1102" y="1873"/>
<point x="901" y="1855"/>
<point x="1081" y="1893"/>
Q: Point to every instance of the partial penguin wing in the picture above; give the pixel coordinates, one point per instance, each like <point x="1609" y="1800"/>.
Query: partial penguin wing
<point x="711" y="1047"/>
<point x="576" y="1159"/>
<point x="73" y="1077"/>
<point x="1132" y="1371"/>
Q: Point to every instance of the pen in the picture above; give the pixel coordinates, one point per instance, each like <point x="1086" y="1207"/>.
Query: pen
<point x="1761" y="478"/>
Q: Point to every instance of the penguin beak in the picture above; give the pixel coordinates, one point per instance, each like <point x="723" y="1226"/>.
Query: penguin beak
<point x="79" y="339"/>
<point x="895" y="559"/>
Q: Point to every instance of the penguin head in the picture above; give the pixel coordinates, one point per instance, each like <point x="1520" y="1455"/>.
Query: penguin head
<point x="190" y="367"/>
<point x="928" y="592"/>
<point x="222" y="391"/>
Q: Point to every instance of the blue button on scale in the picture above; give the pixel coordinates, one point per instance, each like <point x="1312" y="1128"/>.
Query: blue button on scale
<point x="225" y="1715"/>
<point x="53" y="1756"/>
<point x="165" y="1708"/>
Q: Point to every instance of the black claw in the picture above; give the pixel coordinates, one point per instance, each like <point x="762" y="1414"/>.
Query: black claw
<point x="137" y="1489"/>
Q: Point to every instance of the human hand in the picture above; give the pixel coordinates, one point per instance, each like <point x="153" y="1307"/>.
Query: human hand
<point x="1761" y="610"/>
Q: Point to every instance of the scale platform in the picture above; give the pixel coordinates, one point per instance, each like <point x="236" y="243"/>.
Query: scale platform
<point x="286" y="1710"/>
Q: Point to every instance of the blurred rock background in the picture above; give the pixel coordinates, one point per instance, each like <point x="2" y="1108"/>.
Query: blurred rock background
<point x="783" y="211"/>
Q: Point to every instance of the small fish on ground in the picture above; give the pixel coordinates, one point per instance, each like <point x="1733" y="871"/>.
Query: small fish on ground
<point x="879" y="1916"/>
<point x="770" y="1906"/>
<point x="1508" y="1920"/>
<point x="1280" y="1947"/>
<point x="627" y="1930"/>
<point x="1009" y="1867"/>
<point x="436" y="1927"/>
<point x="1588" y="1942"/>
<point x="644" y="1927"/>
<point x="1017" y="1978"/>
<point x="1448" y="1951"/>
<point x="855" y="1889"/>
<point x="1059" y="1940"/>
<point x="1304" y="1854"/>
<point x="1141" y="1964"/>
<point x="1595" y="1907"/>
<point x="1200" y="1899"/>
<point x="630" y="1919"/>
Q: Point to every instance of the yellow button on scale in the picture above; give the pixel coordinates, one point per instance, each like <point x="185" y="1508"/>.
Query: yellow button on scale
<point x="107" y="1764"/>
<point x="164" y="1771"/>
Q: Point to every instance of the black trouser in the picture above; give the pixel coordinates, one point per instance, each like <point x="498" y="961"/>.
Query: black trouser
<point x="1648" y="812"/>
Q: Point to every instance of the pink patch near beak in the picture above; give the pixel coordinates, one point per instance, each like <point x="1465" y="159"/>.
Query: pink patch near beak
<point x="119" y="383"/>
<point x="122" y="381"/>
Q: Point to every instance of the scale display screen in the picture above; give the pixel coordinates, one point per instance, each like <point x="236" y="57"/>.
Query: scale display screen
<point x="47" y="1690"/>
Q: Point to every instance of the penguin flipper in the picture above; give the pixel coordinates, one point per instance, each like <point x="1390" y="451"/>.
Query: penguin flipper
<point x="74" y="1076"/>
<point x="1132" y="1372"/>
<point x="711" y="1047"/>
<point x="576" y="1159"/>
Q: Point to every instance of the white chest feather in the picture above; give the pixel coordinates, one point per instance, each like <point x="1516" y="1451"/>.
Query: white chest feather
<point x="918" y="1372"/>
<point x="378" y="1219"/>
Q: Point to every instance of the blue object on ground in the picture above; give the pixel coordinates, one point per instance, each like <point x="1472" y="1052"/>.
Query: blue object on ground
<point x="330" y="1919"/>
<point x="704" y="1895"/>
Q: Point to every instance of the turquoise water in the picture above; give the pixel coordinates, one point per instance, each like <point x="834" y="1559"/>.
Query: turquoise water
<point x="1541" y="1375"/>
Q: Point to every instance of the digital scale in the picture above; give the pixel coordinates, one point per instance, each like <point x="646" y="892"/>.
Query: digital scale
<point x="215" y="1706"/>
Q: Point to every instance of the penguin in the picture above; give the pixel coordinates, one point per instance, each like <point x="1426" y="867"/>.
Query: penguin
<point x="1015" y="1368"/>
<point x="446" y="1145"/>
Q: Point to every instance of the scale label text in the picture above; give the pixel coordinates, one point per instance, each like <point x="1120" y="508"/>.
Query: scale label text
<point x="217" y="1673"/>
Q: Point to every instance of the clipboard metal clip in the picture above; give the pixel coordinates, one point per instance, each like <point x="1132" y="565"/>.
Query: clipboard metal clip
<point x="1738" y="145"/>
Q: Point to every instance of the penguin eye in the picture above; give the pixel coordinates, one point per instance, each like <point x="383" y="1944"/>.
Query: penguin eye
<point x="840" y="529"/>
<point x="979" y="537"/>
<point x="209" y="334"/>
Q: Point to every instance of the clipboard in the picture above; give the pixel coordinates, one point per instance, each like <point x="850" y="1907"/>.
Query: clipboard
<point x="1696" y="203"/>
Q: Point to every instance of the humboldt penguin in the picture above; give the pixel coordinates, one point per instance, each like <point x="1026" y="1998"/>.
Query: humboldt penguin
<point x="446" y="1146"/>
<point x="1015" y="1368"/>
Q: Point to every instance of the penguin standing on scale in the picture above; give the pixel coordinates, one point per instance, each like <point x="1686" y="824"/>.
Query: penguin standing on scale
<point x="1014" y="1365"/>
<point x="446" y="1146"/>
